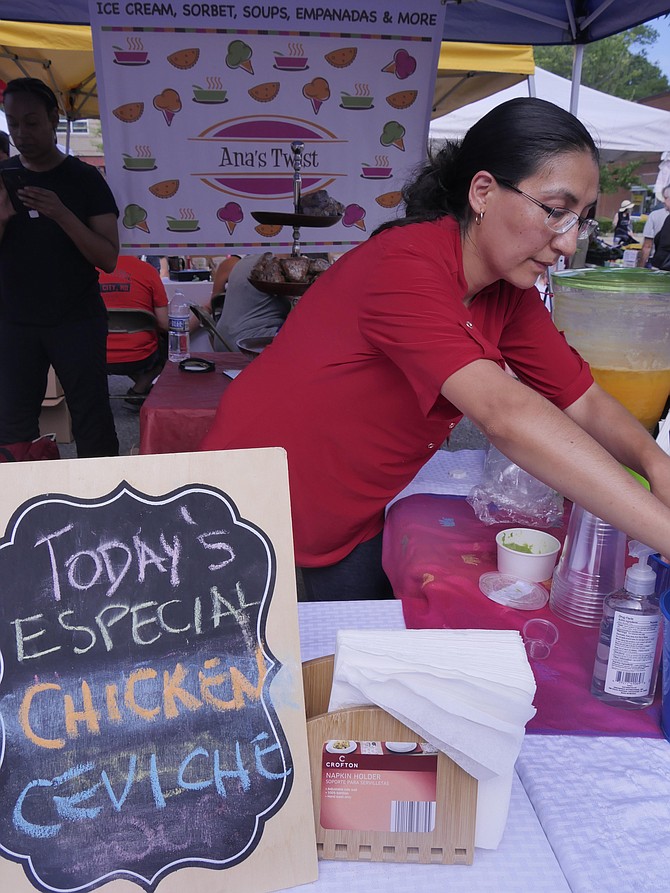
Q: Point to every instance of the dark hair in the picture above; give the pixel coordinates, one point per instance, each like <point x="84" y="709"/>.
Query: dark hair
<point x="35" y="87"/>
<point x="512" y="142"/>
<point x="4" y="142"/>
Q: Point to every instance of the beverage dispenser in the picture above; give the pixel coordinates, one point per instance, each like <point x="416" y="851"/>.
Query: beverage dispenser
<point x="619" y="321"/>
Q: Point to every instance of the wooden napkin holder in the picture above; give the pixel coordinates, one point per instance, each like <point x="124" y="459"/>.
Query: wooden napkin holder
<point x="452" y="839"/>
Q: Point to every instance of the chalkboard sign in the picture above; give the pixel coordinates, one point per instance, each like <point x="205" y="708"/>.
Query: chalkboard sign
<point x="141" y="737"/>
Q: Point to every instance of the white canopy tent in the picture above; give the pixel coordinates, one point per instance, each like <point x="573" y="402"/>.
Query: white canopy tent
<point x="663" y="178"/>
<point x="621" y="128"/>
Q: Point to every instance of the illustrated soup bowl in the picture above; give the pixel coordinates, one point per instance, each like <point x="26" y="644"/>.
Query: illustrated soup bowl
<point x="356" y="102"/>
<point x="182" y="226"/>
<point x="138" y="164"/>
<point x="291" y="63"/>
<point x="375" y="173"/>
<point x="200" y="94"/>
<point x="131" y="57"/>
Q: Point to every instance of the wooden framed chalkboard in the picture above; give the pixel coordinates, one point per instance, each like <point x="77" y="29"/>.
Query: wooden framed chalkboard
<point x="151" y="704"/>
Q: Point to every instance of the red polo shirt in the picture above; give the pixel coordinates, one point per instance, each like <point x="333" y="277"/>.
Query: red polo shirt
<point x="351" y="385"/>
<point x="135" y="285"/>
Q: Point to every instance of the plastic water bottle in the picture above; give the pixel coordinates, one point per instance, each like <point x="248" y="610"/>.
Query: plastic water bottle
<point x="179" y="340"/>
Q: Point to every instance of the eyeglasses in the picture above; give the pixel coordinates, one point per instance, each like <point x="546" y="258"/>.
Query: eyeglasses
<point x="560" y="220"/>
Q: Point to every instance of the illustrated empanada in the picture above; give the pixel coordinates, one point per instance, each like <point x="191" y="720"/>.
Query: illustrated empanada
<point x="129" y="112"/>
<point x="389" y="199"/>
<point x="184" y="59"/>
<point x="268" y="229"/>
<point x="402" y="99"/>
<point x="341" y="58"/>
<point x="264" y="92"/>
<point x="165" y="188"/>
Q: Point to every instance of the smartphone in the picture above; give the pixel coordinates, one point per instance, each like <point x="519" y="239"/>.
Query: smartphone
<point x="14" y="180"/>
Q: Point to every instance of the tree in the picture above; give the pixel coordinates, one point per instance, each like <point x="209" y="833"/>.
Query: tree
<point x="614" y="177"/>
<point x="617" y="65"/>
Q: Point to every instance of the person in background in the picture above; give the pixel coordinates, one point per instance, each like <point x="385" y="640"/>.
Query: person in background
<point x="136" y="285"/>
<point x="160" y="264"/>
<point x="58" y="223"/>
<point x="656" y="235"/>
<point x="411" y="330"/>
<point x="4" y="145"/>
<point x="221" y="274"/>
<point x="248" y="314"/>
<point x="623" y="226"/>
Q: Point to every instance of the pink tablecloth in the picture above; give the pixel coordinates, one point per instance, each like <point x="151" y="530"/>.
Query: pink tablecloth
<point x="435" y="550"/>
<point x="181" y="406"/>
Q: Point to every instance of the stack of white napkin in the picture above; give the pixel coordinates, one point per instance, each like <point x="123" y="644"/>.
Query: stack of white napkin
<point x="468" y="692"/>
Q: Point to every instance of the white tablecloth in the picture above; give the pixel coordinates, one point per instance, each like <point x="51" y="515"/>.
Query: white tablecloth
<point x="604" y="804"/>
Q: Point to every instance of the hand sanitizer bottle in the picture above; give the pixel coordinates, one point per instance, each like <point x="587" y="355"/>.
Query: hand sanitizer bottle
<point x="629" y="647"/>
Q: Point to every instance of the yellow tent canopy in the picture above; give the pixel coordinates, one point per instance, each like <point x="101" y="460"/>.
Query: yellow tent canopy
<point x="62" y="55"/>
<point x="470" y="71"/>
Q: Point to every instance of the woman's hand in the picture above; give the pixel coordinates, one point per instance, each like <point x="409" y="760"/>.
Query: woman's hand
<point x="44" y="201"/>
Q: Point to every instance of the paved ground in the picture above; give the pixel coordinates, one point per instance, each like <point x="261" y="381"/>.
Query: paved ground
<point x="126" y="419"/>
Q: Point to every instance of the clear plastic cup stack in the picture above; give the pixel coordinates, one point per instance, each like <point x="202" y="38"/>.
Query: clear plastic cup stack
<point x="591" y="566"/>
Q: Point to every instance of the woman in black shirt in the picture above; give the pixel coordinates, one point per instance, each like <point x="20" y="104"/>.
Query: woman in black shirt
<point x="57" y="224"/>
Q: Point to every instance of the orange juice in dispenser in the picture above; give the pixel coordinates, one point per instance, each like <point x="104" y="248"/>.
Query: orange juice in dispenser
<point x="619" y="321"/>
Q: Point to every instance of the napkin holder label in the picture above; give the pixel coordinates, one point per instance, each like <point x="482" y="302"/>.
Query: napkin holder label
<point x="452" y="839"/>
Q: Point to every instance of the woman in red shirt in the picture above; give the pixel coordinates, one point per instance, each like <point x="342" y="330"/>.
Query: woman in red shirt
<point x="412" y="329"/>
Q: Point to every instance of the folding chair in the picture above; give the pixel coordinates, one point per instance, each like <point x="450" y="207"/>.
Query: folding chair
<point x="126" y="320"/>
<point x="207" y="322"/>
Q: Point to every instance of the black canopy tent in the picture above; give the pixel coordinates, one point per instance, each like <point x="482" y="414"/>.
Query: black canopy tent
<point x="475" y="21"/>
<point x="534" y="22"/>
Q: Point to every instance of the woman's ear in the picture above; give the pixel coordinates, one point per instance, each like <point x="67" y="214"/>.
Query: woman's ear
<point x="480" y="186"/>
<point x="54" y="118"/>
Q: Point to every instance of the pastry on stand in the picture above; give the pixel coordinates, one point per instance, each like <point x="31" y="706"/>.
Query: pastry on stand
<point x="292" y="287"/>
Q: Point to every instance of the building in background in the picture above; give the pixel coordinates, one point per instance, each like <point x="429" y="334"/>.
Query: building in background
<point x="85" y="140"/>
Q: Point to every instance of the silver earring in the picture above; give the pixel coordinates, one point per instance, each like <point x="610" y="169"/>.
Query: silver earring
<point x="479" y="217"/>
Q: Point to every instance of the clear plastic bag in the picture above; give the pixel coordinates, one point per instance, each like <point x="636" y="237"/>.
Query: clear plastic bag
<point x="507" y="494"/>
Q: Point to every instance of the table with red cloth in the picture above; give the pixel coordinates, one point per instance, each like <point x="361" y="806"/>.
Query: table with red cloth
<point x="181" y="406"/>
<point x="435" y="550"/>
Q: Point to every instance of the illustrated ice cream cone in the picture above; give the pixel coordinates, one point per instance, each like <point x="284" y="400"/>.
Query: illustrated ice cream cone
<point x="135" y="217"/>
<point x="231" y="214"/>
<point x="390" y="68"/>
<point x="393" y="135"/>
<point x="354" y="215"/>
<point x="316" y="104"/>
<point x="247" y="66"/>
<point x="168" y="115"/>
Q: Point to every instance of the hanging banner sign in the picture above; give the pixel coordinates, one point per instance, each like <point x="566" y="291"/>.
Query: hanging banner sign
<point x="200" y="104"/>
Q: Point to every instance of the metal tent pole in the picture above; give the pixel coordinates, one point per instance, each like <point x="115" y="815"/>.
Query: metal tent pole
<point x="577" y="60"/>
